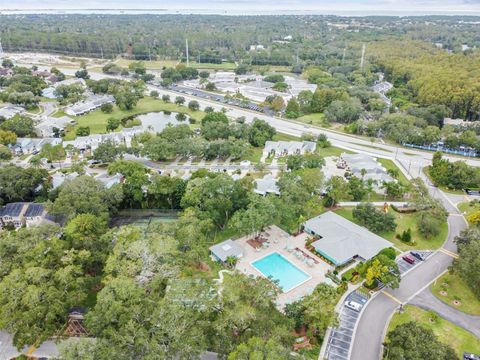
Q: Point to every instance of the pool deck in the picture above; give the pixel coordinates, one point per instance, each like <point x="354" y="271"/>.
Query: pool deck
<point x="282" y="243"/>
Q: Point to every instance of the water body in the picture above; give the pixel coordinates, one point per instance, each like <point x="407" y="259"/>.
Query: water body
<point x="157" y="121"/>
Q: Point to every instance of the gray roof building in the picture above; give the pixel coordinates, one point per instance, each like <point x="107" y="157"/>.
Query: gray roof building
<point x="226" y="249"/>
<point x="342" y="240"/>
<point x="266" y="185"/>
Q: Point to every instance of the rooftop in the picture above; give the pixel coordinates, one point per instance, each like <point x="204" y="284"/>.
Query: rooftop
<point x="34" y="210"/>
<point x="342" y="239"/>
<point x="226" y="249"/>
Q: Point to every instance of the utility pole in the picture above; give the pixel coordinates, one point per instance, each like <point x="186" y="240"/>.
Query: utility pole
<point x="363" y="56"/>
<point x="344" y="53"/>
<point x="186" y="50"/>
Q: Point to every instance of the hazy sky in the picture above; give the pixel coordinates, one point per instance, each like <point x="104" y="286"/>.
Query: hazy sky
<point x="422" y="6"/>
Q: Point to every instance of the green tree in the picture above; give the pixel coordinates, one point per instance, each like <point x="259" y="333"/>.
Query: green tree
<point x="320" y="308"/>
<point x="336" y="190"/>
<point x="193" y="105"/>
<point x="83" y="131"/>
<point x="84" y="195"/>
<point x="373" y="219"/>
<point x="21" y="125"/>
<point x="410" y="341"/>
<point x="260" y="132"/>
<point x="292" y="111"/>
<point x="112" y="124"/>
<point x="106" y="152"/>
<point x="467" y="265"/>
<point x="256" y="348"/>
<point x="107" y="108"/>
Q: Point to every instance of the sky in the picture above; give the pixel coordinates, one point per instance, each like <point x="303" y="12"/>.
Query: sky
<point x="252" y="6"/>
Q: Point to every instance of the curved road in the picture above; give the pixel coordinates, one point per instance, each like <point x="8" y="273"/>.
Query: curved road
<point x="371" y="327"/>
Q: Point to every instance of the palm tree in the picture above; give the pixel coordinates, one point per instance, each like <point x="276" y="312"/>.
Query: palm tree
<point x="231" y="261"/>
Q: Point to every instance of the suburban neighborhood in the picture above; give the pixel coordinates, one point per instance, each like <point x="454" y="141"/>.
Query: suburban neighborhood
<point x="216" y="186"/>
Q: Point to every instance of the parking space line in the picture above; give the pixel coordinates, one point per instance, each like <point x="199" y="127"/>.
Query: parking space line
<point x="391" y="297"/>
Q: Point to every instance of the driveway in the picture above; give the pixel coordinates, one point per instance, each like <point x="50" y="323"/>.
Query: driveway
<point x="426" y="300"/>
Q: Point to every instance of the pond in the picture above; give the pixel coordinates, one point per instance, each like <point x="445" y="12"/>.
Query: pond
<point x="157" y="121"/>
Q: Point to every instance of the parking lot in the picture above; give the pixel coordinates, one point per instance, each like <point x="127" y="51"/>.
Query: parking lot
<point x="340" y="338"/>
<point x="404" y="266"/>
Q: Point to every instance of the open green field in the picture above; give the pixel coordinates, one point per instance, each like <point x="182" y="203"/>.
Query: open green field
<point x="468" y="208"/>
<point x="404" y="222"/>
<point x="152" y="65"/>
<point x="454" y="288"/>
<point x="97" y="120"/>
<point x="317" y="119"/>
<point x="458" y="338"/>
<point x="207" y="66"/>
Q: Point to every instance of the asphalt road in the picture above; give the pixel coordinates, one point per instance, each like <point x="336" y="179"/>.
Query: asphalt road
<point x="369" y="336"/>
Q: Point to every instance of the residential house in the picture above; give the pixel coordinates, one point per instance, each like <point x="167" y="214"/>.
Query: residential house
<point x="285" y="148"/>
<point x="59" y="178"/>
<point x="45" y="127"/>
<point x="91" y="103"/>
<point x="32" y="145"/>
<point x="10" y="111"/>
<point x="28" y="214"/>
<point x="341" y="241"/>
<point x="365" y="167"/>
<point x="109" y="181"/>
<point x="266" y="185"/>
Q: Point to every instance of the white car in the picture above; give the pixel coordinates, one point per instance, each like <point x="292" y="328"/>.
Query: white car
<point x="245" y="163"/>
<point x="353" y="306"/>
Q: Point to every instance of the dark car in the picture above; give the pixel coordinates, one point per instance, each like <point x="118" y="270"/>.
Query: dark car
<point x="408" y="259"/>
<point x="417" y="255"/>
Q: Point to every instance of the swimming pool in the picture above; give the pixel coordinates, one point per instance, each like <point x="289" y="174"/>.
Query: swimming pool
<point x="277" y="268"/>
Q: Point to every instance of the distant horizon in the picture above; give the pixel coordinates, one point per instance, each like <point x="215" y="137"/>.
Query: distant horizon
<point x="250" y="7"/>
<point x="239" y="12"/>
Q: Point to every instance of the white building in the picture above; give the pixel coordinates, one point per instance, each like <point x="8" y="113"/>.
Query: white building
<point x="33" y="145"/>
<point x="285" y="148"/>
<point x="10" y="111"/>
<point x="91" y="103"/>
<point x="45" y="127"/>
<point x="266" y="185"/>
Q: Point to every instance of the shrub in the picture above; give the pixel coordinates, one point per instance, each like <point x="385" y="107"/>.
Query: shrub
<point x="107" y="108"/>
<point x="389" y="252"/>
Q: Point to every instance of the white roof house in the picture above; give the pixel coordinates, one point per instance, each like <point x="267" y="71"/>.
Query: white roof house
<point x="225" y="250"/>
<point x="284" y="148"/>
<point x="59" y="178"/>
<point x="108" y="181"/>
<point x="356" y="163"/>
<point x="46" y="125"/>
<point x="91" y="103"/>
<point x="266" y="185"/>
<point x="30" y="145"/>
<point x="342" y="240"/>
<point x="10" y="111"/>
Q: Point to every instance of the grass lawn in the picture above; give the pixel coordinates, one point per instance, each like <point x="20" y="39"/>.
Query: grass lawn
<point x="405" y="221"/>
<point x="207" y="66"/>
<point x="253" y="155"/>
<point x="390" y="165"/>
<point x="468" y="208"/>
<point x="331" y="151"/>
<point x="155" y="64"/>
<point x="97" y="119"/>
<point x="285" y="137"/>
<point x="317" y="119"/>
<point x="456" y="289"/>
<point x="458" y="338"/>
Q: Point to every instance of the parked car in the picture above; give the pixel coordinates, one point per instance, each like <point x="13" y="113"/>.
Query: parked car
<point x="353" y="306"/>
<point x="467" y="356"/>
<point x="417" y="255"/>
<point x="408" y="259"/>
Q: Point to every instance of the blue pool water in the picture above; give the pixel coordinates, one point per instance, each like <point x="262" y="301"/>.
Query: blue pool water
<point x="278" y="268"/>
